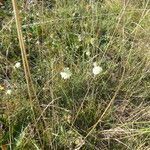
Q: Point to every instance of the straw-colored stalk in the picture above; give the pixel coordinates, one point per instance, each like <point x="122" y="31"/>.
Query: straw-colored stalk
<point x="30" y="86"/>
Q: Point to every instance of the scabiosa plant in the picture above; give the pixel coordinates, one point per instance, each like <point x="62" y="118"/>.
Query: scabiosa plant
<point x="96" y="69"/>
<point x="17" y="65"/>
<point x="66" y="73"/>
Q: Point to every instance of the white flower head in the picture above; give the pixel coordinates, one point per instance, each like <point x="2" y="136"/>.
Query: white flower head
<point x="96" y="69"/>
<point x="9" y="92"/>
<point x="37" y="42"/>
<point x="17" y="65"/>
<point x="30" y="1"/>
<point x="66" y="73"/>
<point x="88" y="53"/>
<point x="79" y="38"/>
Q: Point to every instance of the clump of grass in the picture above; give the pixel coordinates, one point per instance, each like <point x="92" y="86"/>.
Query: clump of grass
<point x="76" y="108"/>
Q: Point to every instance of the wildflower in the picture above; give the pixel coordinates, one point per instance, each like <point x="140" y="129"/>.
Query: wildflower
<point x="96" y="69"/>
<point x="79" y="142"/>
<point x="77" y="46"/>
<point x="30" y="1"/>
<point x="68" y="118"/>
<point x="1" y="88"/>
<point x="37" y="42"/>
<point x="88" y="7"/>
<point x="52" y="36"/>
<point x="17" y="65"/>
<point x="9" y="92"/>
<point x="66" y="73"/>
<point x="85" y="25"/>
<point x="92" y="41"/>
<point x="79" y="38"/>
<point x="88" y="53"/>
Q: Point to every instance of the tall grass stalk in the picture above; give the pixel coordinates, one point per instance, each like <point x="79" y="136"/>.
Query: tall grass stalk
<point x="30" y="86"/>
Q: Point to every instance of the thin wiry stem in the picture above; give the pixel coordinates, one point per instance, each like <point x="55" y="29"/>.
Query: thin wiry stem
<point x="108" y="106"/>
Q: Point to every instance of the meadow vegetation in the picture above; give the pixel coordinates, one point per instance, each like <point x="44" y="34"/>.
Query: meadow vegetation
<point x="70" y="106"/>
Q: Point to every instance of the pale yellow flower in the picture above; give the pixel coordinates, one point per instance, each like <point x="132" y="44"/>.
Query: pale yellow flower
<point x="9" y="92"/>
<point x="1" y="88"/>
